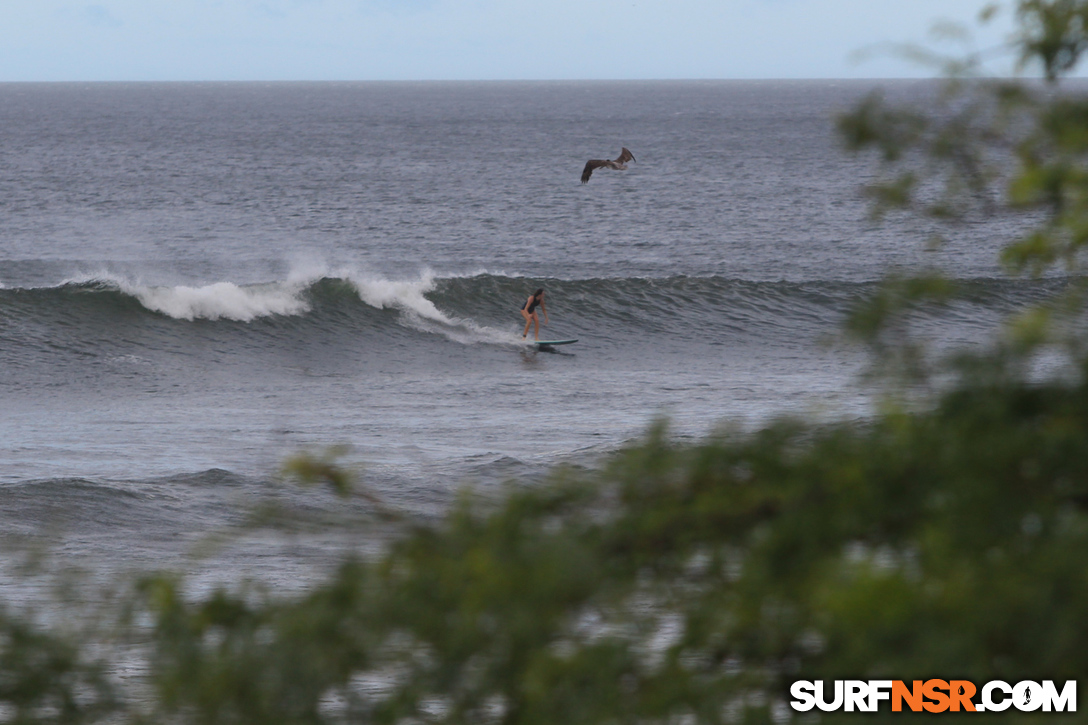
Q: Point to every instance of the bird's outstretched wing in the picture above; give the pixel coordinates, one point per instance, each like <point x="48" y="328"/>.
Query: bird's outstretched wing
<point x="619" y="164"/>
<point x="590" y="165"/>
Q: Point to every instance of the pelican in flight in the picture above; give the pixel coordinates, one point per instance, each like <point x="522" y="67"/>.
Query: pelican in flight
<point x="620" y="164"/>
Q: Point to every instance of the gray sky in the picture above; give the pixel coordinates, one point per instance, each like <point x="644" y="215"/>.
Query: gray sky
<point x="72" y="40"/>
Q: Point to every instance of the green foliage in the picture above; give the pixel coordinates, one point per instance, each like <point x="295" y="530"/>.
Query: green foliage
<point x="44" y="678"/>
<point x="1054" y="34"/>
<point x="677" y="582"/>
<point x="312" y="469"/>
<point x="241" y="657"/>
<point x="686" y="581"/>
<point x="984" y="146"/>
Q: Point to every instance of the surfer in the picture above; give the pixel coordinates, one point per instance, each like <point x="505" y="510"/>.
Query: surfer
<point x="528" y="311"/>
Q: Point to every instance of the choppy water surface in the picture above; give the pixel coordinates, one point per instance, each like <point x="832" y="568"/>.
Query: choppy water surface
<point x="197" y="280"/>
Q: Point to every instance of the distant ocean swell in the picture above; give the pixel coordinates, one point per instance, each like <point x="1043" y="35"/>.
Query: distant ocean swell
<point x="475" y="309"/>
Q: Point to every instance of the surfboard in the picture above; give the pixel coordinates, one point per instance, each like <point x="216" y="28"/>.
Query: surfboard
<point x="548" y="343"/>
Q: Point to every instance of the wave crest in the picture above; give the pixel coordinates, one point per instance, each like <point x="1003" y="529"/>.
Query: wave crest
<point x="482" y="308"/>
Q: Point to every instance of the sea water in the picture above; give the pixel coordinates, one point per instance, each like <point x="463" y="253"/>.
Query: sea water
<point x="199" y="280"/>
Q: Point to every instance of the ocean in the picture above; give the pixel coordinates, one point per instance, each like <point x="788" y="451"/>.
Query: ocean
<point x="199" y="280"/>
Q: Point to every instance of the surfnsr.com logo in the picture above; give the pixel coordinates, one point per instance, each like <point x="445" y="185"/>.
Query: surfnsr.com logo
<point x="933" y="696"/>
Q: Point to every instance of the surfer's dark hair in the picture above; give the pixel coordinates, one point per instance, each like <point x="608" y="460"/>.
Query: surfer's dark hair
<point x="538" y="292"/>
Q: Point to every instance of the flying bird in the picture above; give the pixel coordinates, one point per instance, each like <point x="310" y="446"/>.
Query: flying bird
<point x="620" y="164"/>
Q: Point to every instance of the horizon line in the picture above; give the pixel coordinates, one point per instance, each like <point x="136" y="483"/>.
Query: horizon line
<point x="842" y="79"/>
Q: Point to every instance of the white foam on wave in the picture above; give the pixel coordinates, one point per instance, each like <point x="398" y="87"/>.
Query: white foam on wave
<point x="409" y="296"/>
<point x="243" y="303"/>
<point x="220" y="300"/>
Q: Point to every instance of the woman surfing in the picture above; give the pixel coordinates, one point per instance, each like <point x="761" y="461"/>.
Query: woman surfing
<point x="528" y="311"/>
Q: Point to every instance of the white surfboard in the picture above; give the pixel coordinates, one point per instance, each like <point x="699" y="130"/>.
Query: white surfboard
<point x="549" y="343"/>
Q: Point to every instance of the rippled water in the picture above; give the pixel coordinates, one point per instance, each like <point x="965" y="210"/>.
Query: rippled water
<point x="199" y="279"/>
